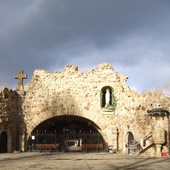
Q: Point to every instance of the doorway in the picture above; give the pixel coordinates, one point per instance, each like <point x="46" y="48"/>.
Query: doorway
<point x="3" y="142"/>
<point x="130" y="140"/>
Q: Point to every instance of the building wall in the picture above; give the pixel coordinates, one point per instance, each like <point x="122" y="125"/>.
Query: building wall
<point x="9" y="117"/>
<point x="74" y="92"/>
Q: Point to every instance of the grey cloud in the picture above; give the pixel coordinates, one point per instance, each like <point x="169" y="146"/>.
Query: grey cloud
<point x="50" y="34"/>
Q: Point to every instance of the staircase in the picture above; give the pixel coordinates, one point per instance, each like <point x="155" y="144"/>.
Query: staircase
<point x="146" y="143"/>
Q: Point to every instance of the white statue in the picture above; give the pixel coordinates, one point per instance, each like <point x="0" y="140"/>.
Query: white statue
<point x="107" y="97"/>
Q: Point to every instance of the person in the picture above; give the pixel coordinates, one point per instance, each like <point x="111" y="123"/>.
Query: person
<point x="107" y="97"/>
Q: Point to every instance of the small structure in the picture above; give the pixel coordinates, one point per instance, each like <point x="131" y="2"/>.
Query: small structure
<point x="73" y="144"/>
<point x="160" y="132"/>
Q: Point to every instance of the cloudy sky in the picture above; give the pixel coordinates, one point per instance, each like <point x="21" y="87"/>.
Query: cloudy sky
<point x="132" y="35"/>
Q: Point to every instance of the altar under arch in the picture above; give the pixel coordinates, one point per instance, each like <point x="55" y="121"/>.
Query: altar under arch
<point x="70" y="132"/>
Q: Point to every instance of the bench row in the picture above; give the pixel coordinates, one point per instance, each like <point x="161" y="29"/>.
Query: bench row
<point x="56" y="146"/>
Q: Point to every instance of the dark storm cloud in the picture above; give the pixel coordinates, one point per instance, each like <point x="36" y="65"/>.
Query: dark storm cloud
<point x="50" y="34"/>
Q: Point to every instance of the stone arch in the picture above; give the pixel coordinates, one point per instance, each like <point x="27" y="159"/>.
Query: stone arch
<point x="98" y="122"/>
<point x="128" y="137"/>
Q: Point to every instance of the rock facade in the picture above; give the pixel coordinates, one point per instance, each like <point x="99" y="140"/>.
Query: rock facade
<point x="78" y="93"/>
<point x="9" y="118"/>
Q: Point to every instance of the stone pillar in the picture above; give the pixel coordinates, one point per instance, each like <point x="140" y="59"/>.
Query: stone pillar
<point x="22" y="137"/>
<point x="113" y="140"/>
<point x="20" y="122"/>
<point x="158" y="150"/>
<point x="158" y="138"/>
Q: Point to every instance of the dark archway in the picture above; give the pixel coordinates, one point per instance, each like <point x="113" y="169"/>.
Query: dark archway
<point x="3" y="142"/>
<point x="62" y="128"/>
<point x="130" y="140"/>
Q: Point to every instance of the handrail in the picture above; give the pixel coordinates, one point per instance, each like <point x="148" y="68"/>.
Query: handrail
<point x="146" y="137"/>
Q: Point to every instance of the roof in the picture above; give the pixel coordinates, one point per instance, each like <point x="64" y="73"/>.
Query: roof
<point x="158" y="111"/>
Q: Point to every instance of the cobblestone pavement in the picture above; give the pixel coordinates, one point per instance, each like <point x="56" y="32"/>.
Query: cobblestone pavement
<point x="80" y="161"/>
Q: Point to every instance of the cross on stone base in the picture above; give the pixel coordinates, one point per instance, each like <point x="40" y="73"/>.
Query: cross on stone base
<point x="20" y="76"/>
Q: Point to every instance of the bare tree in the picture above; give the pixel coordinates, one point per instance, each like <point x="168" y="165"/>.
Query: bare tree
<point x="164" y="89"/>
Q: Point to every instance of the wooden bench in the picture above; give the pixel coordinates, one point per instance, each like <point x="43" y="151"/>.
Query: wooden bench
<point x="92" y="146"/>
<point x="49" y="146"/>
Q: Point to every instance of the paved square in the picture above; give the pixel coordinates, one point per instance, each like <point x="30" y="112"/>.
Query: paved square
<point x="80" y="160"/>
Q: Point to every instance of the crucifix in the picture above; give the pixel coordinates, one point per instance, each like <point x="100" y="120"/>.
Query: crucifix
<point x="20" y="76"/>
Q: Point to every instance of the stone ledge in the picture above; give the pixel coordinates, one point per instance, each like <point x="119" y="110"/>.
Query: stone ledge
<point x="107" y="112"/>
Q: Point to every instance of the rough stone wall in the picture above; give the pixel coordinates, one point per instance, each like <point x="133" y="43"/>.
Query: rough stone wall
<point x="69" y="92"/>
<point x="72" y="92"/>
<point x="8" y="116"/>
<point x="132" y="114"/>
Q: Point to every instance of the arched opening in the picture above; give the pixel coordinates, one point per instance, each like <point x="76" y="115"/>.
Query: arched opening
<point x="66" y="131"/>
<point x="3" y="142"/>
<point x="130" y="140"/>
<point x="104" y="91"/>
<point x="107" y="98"/>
